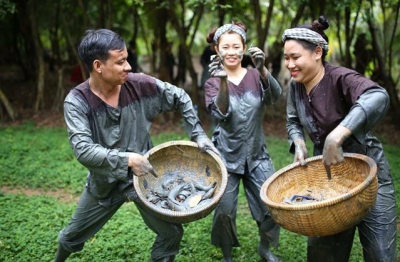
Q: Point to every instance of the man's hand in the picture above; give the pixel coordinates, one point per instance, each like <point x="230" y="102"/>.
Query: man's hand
<point x="204" y="143"/>
<point x="258" y="57"/>
<point x="140" y="165"/>
<point x="300" y="151"/>
<point x="216" y="67"/>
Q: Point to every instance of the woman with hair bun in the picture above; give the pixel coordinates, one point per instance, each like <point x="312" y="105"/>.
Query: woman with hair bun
<point x="338" y="107"/>
<point x="236" y="97"/>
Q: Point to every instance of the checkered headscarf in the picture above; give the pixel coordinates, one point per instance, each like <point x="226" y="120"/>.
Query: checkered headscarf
<point x="228" y="27"/>
<point x="306" y="35"/>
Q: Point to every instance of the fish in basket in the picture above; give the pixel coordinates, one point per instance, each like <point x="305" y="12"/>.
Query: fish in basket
<point x="189" y="185"/>
<point x="303" y="200"/>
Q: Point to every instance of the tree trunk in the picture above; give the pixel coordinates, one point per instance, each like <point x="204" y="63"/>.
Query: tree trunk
<point x="299" y="13"/>
<point x="27" y="74"/>
<point x="26" y="49"/>
<point x="148" y="44"/>
<point x="73" y="47"/>
<point x="262" y="32"/>
<point x="347" y="58"/>
<point x="257" y="17"/>
<point x="39" y="104"/>
<point x="182" y="30"/>
<point x="55" y="46"/>
<point x="338" y="34"/>
<point x="392" y="38"/>
<point x="110" y="14"/>
<point x="384" y="74"/>
<point x="81" y="4"/>
<point x="165" y="48"/>
<point x="221" y="11"/>
<point x="59" y="98"/>
<point x="7" y="105"/>
<point x="102" y="17"/>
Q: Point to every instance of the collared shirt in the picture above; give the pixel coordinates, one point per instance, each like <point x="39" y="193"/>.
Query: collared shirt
<point x="239" y="135"/>
<point x="102" y="136"/>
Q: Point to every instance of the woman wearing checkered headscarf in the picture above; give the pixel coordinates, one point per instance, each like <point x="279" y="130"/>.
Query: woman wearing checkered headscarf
<point x="237" y="97"/>
<point x="337" y="107"/>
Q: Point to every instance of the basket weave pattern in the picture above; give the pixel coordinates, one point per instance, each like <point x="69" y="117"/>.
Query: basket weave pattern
<point x="343" y="201"/>
<point x="183" y="157"/>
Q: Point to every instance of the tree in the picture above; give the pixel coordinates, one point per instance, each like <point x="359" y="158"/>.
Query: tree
<point x="40" y="78"/>
<point x="262" y="32"/>
<point x="43" y="46"/>
<point x="8" y="8"/>
<point x="384" y="50"/>
<point x="7" y="105"/>
<point x="186" y="33"/>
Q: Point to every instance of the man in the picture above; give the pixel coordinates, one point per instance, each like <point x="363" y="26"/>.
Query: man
<point x="108" y="118"/>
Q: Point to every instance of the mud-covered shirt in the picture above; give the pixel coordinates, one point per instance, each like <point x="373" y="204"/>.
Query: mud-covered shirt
<point x="102" y="136"/>
<point x="329" y="103"/>
<point x="239" y="135"/>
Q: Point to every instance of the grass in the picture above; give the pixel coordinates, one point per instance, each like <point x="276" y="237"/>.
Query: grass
<point x="41" y="158"/>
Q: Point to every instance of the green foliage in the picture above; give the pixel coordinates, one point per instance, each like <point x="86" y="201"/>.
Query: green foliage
<point x="164" y="137"/>
<point x="29" y="227"/>
<point x="38" y="158"/>
<point x="6" y="6"/>
<point x="41" y="158"/>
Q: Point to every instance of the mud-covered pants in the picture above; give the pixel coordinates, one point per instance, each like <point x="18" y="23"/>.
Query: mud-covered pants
<point x="91" y="215"/>
<point x="377" y="231"/>
<point x="224" y="222"/>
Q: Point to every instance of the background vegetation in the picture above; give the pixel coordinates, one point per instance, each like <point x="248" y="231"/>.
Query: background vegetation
<point x="39" y="40"/>
<point x="39" y="162"/>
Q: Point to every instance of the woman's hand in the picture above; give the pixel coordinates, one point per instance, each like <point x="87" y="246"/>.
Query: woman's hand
<point x="258" y="57"/>
<point x="332" y="153"/>
<point x="216" y="68"/>
<point x="300" y="152"/>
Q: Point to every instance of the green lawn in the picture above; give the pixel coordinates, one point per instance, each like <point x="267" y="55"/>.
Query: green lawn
<point x="41" y="158"/>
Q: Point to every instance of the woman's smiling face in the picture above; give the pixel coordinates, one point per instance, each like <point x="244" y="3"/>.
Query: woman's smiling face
<point x="302" y="63"/>
<point x="231" y="49"/>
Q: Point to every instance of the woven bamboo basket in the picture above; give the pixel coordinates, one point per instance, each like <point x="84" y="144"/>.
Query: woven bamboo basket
<point x="343" y="201"/>
<point x="183" y="157"/>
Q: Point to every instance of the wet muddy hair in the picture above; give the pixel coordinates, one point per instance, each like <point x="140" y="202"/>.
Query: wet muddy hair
<point x="96" y="44"/>
<point x="318" y="26"/>
<point x="210" y="36"/>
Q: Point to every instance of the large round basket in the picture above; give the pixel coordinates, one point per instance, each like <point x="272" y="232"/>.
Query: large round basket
<point x="336" y="204"/>
<point x="185" y="158"/>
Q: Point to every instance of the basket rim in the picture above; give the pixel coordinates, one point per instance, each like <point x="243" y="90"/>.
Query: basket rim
<point x="194" y="211"/>
<point x="332" y="201"/>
